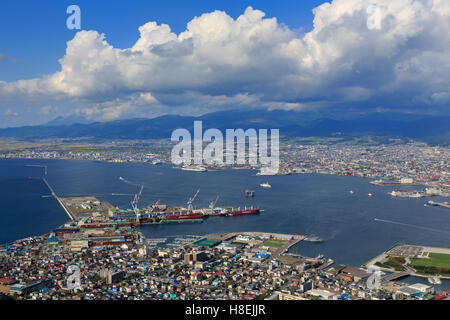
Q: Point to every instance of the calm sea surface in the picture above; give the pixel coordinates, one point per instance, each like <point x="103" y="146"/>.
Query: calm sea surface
<point x="299" y="204"/>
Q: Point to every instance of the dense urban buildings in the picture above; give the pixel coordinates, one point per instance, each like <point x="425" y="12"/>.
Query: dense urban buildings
<point x="233" y="266"/>
<point x="117" y="262"/>
<point x="423" y="164"/>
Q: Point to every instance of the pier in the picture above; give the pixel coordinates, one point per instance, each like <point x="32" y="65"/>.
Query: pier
<point x="288" y="240"/>
<point x="50" y="188"/>
<point x="439" y="204"/>
<point x="57" y="198"/>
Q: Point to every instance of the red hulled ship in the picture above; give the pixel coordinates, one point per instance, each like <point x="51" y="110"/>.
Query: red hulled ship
<point x="239" y="212"/>
<point x="183" y="216"/>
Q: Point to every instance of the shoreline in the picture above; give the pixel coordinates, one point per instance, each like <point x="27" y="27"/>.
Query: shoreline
<point x="237" y="168"/>
<point x="425" y="249"/>
<point x="71" y="218"/>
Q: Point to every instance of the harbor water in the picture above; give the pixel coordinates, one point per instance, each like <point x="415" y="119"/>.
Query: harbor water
<point x="355" y="227"/>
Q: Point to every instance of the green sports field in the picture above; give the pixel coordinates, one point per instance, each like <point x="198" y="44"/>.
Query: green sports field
<point x="439" y="260"/>
<point x="206" y="242"/>
<point x="436" y="264"/>
<point x="274" y="244"/>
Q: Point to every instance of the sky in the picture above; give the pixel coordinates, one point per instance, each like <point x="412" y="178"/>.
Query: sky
<point x="149" y="58"/>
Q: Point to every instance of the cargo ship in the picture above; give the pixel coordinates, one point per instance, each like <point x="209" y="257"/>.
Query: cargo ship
<point x="160" y="213"/>
<point x="232" y="212"/>
<point x="145" y="217"/>
<point x="158" y="217"/>
<point x="194" y="168"/>
<point x="181" y="216"/>
<point x="407" y="194"/>
<point x="153" y="220"/>
<point x="183" y="221"/>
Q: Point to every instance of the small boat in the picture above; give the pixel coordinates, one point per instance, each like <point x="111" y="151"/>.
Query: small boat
<point x="370" y="194"/>
<point x="352" y="192"/>
<point x="313" y="238"/>
<point x="194" y="168"/>
<point x="265" y="185"/>
<point x="249" y="193"/>
<point x="434" y="280"/>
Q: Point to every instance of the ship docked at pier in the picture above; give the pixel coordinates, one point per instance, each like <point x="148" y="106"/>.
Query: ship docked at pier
<point x="161" y="213"/>
<point x="178" y="214"/>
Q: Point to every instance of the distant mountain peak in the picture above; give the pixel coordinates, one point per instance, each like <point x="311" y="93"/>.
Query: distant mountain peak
<point x="69" y="120"/>
<point x="291" y="125"/>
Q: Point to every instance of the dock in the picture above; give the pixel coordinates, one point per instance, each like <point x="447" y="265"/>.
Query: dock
<point x="57" y="198"/>
<point x="439" y="204"/>
<point x="293" y="240"/>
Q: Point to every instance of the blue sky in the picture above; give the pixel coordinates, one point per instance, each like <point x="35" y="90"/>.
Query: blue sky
<point x="150" y="58"/>
<point x="36" y="30"/>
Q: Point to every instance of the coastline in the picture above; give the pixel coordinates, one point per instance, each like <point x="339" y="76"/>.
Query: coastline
<point x="345" y="194"/>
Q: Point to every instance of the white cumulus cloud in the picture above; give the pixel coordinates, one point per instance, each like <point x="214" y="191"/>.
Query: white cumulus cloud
<point x="253" y="61"/>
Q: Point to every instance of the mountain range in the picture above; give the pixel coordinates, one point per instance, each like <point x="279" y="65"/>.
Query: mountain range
<point x="291" y="124"/>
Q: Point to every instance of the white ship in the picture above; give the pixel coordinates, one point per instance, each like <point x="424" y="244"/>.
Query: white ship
<point x="352" y="192"/>
<point x="313" y="238"/>
<point x="434" y="280"/>
<point x="265" y="185"/>
<point x="194" y="168"/>
<point x="406" y="194"/>
<point x="370" y="194"/>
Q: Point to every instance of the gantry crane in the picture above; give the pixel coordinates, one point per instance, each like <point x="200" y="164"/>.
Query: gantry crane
<point x="190" y="207"/>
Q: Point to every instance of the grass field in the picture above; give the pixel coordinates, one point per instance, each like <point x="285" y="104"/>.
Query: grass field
<point x="439" y="260"/>
<point x="274" y="244"/>
<point x="395" y="263"/>
<point x="436" y="264"/>
<point x="288" y="259"/>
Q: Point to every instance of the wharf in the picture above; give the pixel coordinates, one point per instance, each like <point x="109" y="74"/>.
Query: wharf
<point x="58" y="199"/>
<point x="289" y="239"/>
<point x="439" y="204"/>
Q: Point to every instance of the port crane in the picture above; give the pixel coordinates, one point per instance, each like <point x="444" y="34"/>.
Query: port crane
<point x="213" y="204"/>
<point x="190" y="207"/>
<point x="155" y="205"/>
<point x="134" y="203"/>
